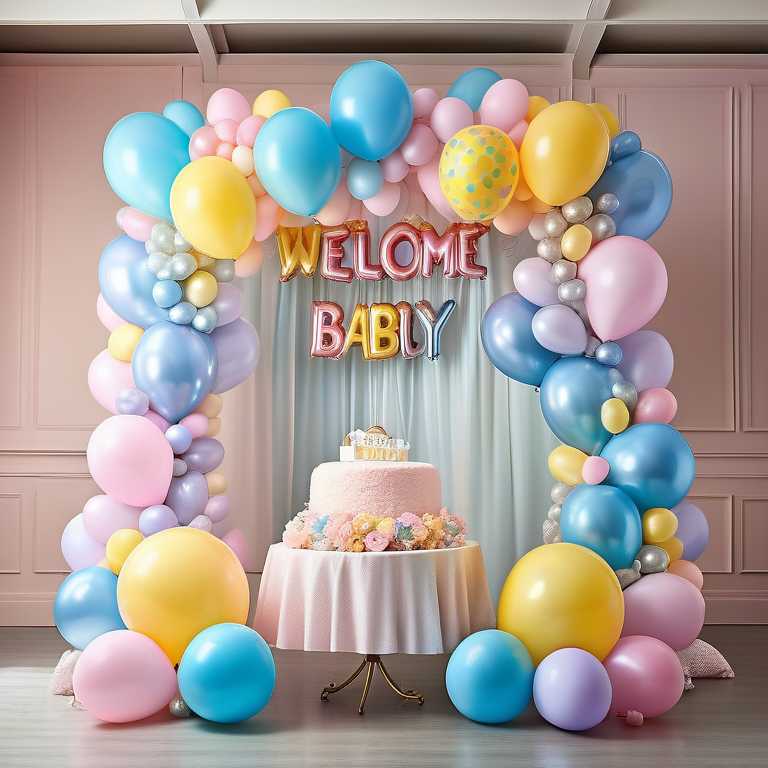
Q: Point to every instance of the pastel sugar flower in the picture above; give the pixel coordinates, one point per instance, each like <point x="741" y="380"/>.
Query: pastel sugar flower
<point x="355" y="544"/>
<point x="376" y="542"/>
<point x="363" y="523"/>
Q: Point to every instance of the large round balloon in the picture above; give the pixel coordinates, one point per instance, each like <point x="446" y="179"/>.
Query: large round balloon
<point x="175" y="365"/>
<point x="213" y="207"/>
<point x="509" y="342"/>
<point x="647" y="360"/>
<point x="561" y="596"/>
<point x="573" y="391"/>
<point x="298" y="160"/>
<point x="177" y="583"/>
<point x="652" y="464"/>
<point x="237" y="351"/>
<point x="564" y="151"/>
<point x="605" y="520"/>
<point x="143" y="154"/>
<point x="371" y="109"/>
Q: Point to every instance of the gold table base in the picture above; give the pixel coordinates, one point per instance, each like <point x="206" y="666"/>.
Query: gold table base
<point x="371" y="661"/>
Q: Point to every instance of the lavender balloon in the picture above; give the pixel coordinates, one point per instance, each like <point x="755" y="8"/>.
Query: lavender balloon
<point x="132" y="401"/>
<point x="559" y="329"/>
<point x="188" y="496"/>
<point x="229" y="304"/>
<point x="204" y="454"/>
<point x="156" y="518"/>
<point x="217" y="508"/>
<point x="692" y="530"/>
<point x="531" y="278"/>
<point x="237" y="349"/>
<point x="179" y="437"/>
<point x="647" y="360"/>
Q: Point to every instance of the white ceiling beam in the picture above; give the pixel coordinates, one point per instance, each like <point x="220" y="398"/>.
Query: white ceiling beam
<point x="203" y="39"/>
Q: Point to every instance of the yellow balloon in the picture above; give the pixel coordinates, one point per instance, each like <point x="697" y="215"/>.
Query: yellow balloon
<point x="211" y="406"/>
<point x="213" y="207"/>
<point x="269" y="102"/>
<point x="576" y="241"/>
<point x="562" y="596"/>
<point x="535" y="105"/>
<point x="123" y="340"/>
<point x="119" y="545"/>
<point x="659" y="524"/>
<point x="615" y="415"/>
<point x="217" y="483"/>
<point x="479" y="169"/>
<point x="611" y="123"/>
<point x="200" y="288"/>
<point x="537" y="206"/>
<point x="673" y="547"/>
<point x="566" y="463"/>
<point x="564" y="151"/>
<point x="214" y="427"/>
<point x="522" y="190"/>
<point x="177" y="583"/>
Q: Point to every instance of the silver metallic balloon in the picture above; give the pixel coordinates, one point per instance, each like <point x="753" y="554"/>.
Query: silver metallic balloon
<point x="601" y="227"/>
<point x="607" y="203"/>
<point x="549" y="249"/>
<point x="554" y="223"/>
<point x="559" y="491"/>
<point x="652" y="559"/>
<point x="205" y="319"/>
<point x="561" y="271"/>
<point x="626" y="392"/>
<point x="578" y="210"/>
<point x="627" y="576"/>
<point x="179" y="708"/>
<point x="592" y="345"/>
<point x="179" y="467"/>
<point x="157" y="261"/>
<point x="183" y="313"/>
<point x="223" y="270"/>
<point x="182" y="266"/>
<point x="180" y="243"/>
<point x="163" y="235"/>
<point x="203" y="522"/>
<point x="608" y="354"/>
<point x="132" y="401"/>
<point x="554" y="512"/>
<point x="572" y="290"/>
<point x="551" y="532"/>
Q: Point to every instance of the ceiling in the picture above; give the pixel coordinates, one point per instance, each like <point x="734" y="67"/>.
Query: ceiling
<point x="218" y="30"/>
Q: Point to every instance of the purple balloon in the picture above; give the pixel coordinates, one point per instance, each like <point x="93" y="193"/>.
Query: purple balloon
<point x="559" y="329"/>
<point x="187" y="496"/>
<point x="179" y="437"/>
<point x="646" y="360"/>
<point x="217" y="508"/>
<point x="204" y="454"/>
<point x="237" y="350"/>
<point x="229" y="304"/>
<point x="692" y="530"/>
<point x="79" y="548"/>
<point x="531" y="278"/>
<point x="157" y="518"/>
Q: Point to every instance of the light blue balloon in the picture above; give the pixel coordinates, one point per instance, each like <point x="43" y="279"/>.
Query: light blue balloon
<point x="572" y="395"/>
<point x="298" y="160"/>
<point x="175" y="366"/>
<point x="182" y="313"/>
<point x="86" y="606"/>
<point x="652" y="464"/>
<point x="509" y="342"/>
<point x="472" y="86"/>
<point x="489" y="677"/>
<point x="604" y="519"/>
<point x="187" y="116"/>
<point x="227" y="673"/>
<point x="371" y="109"/>
<point x="127" y="285"/>
<point x="166" y="293"/>
<point x="143" y="154"/>
<point x="364" y="178"/>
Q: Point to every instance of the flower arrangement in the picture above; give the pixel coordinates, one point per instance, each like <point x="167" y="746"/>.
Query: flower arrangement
<point x="364" y="532"/>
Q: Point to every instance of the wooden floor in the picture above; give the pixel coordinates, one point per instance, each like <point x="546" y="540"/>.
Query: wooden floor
<point x="719" y="723"/>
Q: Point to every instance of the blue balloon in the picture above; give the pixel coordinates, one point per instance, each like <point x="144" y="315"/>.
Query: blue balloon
<point x="143" y="154"/>
<point x="86" y="606"/>
<point x="364" y="178"/>
<point x="187" y="116"/>
<point x="472" y="86"/>
<point x="489" y="677"/>
<point x="652" y="464"/>
<point x="572" y="395"/>
<point x="371" y="110"/>
<point x="604" y="519"/>
<point x="227" y="673"/>
<point x="298" y="160"/>
<point x="127" y="285"/>
<point x="166" y="293"/>
<point x="175" y="366"/>
<point x="509" y="342"/>
<point x="642" y="185"/>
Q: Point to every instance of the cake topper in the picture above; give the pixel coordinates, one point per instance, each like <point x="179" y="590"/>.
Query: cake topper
<point x="373" y="445"/>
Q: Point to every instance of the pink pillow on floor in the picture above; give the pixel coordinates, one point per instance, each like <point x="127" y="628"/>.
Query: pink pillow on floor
<point x="700" y="659"/>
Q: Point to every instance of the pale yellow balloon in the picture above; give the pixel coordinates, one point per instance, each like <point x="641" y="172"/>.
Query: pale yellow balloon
<point x="217" y="483"/>
<point x="611" y="123"/>
<point x="576" y="241"/>
<point x="659" y="524"/>
<point x="673" y="547"/>
<point x="214" y="427"/>
<point x="269" y="102"/>
<point x="119" y="545"/>
<point x="211" y="406"/>
<point x="123" y="340"/>
<point x="615" y="415"/>
<point x="200" y="288"/>
<point x="566" y="464"/>
<point x="535" y="105"/>
<point x="242" y="159"/>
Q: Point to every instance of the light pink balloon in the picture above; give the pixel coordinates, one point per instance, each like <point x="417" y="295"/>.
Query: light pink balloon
<point x="517" y="134"/>
<point x="449" y="116"/>
<point x="666" y="607"/>
<point x="336" y="210"/>
<point x="203" y="143"/>
<point x="229" y="303"/>
<point x="385" y="201"/>
<point x="196" y="423"/>
<point x="267" y="217"/>
<point x="226" y="130"/>
<point x="536" y="227"/>
<point x="626" y="285"/>
<point x="531" y="278"/>
<point x="429" y="181"/>
<point x="102" y="516"/>
<point x="394" y="167"/>
<point x="225" y="150"/>
<point x="646" y="675"/>
<point x="235" y="540"/>
<point x="108" y="376"/>
<point x="424" y="101"/>
<point x="217" y="508"/>
<point x="647" y="360"/>
<point x="79" y="548"/>
<point x="130" y="460"/>
<point x="504" y="105"/>
<point x="559" y="328"/>
<point x="109" y="318"/>
<point x="156" y="419"/>
<point x="595" y="470"/>
<point x="250" y="261"/>
<point x="656" y="405"/>
<point x="249" y="129"/>
<point x="124" y="676"/>
<point x="136" y="224"/>
<point x="419" y="146"/>
<point x="227" y="104"/>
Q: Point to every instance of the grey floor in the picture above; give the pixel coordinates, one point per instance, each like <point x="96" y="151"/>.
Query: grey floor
<point x="719" y="723"/>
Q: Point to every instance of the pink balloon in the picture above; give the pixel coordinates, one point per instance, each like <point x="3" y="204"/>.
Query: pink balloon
<point x="449" y="116"/>
<point x="267" y="217"/>
<point x="102" y="516"/>
<point x="687" y="570"/>
<point x="130" y="460"/>
<point x="385" y="201"/>
<point x="229" y="303"/>
<point x="79" y="548"/>
<point x="203" y="143"/>
<point x="108" y="376"/>
<point x="217" y="508"/>
<point x="225" y="150"/>
<point x="226" y="130"/>
<point x="109" y="318"/>
<point x="595" y="470"/>
<point x="123" y="676"/>
<point x="504" y="105"/>
<point x="646" y="675"/>
<point x="249" y="129"/>
<point x="531" y="278"/>
<point x="156" y="419"/>
<point x="419" y="146"/>
<point x="227" y="104"/>
<point x="646" y="360"/>
<point x="424" y="101"/>
<point x="235" y="540"/>
<point x="394" y="167"/>
<point x="136" y="224"/>
<point x="336" y="210"/>
<point x="657" y="405"/>
<point x="666" y="607"/>
<point x="429" y="181"/>
<point x="517" y="134"/>
<point x="513" y="218"/>
<point x="250" y="261"/>
<point x="536" y="227"/>
<point x="196" y="423"/>
<point x="626" y="285"/>
<point x="559" y="328"/>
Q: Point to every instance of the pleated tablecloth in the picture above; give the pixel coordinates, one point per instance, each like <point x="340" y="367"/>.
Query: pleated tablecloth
<point x="423" y="602"/>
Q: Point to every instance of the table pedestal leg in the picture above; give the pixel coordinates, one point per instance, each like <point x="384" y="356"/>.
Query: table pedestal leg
<point x="371" y="661"/>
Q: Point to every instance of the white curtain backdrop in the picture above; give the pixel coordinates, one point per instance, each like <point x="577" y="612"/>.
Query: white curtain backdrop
<point x="484" y="432"/>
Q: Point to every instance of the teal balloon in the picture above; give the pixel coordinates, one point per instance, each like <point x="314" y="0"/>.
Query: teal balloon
<point x="604" y="519"/>
<point x="143" y="154"/>
<point x="86" y="606"/>
<point x="572" y="395"/>
<point x="508" y="340"/>
<point x="472" y="86"/>
<point x="227" y="673"/>
<point x="175" y="366"/>
<point x="187" y="116"/>
<point x="127" y="285"/>
<point x="298" y="160"/>
<point x="364" y="178"/>
<point x="652" y="463"/>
